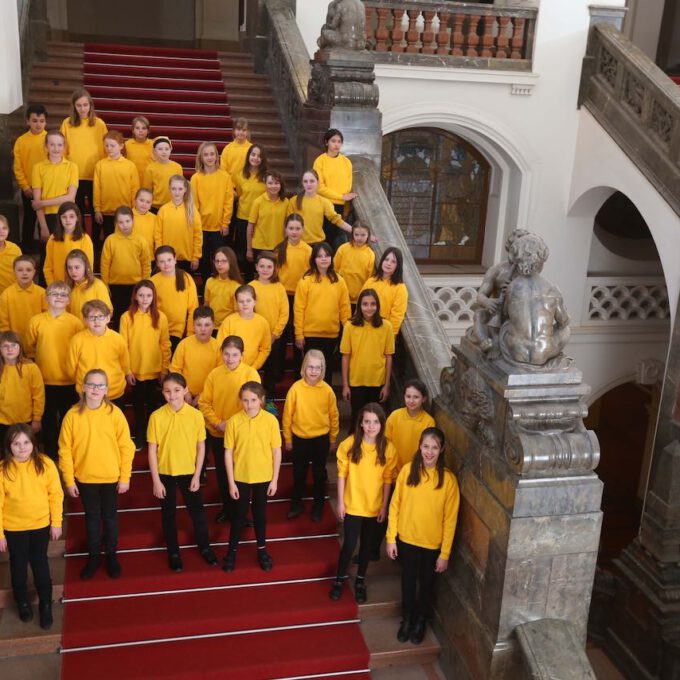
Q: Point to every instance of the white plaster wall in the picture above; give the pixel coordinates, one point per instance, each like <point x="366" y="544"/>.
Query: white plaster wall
<point x="10" y="57"/>
<point x="643" y="23"/>
<point x="310" y="16"/>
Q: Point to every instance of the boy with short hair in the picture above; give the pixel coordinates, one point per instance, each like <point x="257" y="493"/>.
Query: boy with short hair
<point x="49" y="339"/>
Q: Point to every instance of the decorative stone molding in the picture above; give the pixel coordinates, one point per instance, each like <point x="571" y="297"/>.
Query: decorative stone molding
<point x="649" y="371"/>
<point x="617" y="299"/>
<point x="453" y="300"/>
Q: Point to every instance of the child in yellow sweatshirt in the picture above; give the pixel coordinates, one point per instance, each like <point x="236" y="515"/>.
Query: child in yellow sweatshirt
<point x="139" y="148"/>
<point x="31" y="501"/>
<point x="233" y="155"/>
<point x="159" y="171"/>
<point x="8" y="253"/>
<point x="69" y="234"/>
<point x="221" y="286"/>
<point x="83" y="284"/>
<point x="145" y="220"/>
<point x="355" y="261"/>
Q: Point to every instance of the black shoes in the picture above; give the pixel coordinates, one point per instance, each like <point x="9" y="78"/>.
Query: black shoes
<point x="360" y="594"/>
<point x="112" y="565"/>
<point x="25" y="612"/>
<point x="317" y="512"/>
<point x="418" y="630"/>
<point x="296" y="509"/>
<point x="265" y="559"/>
<point x="336" y="590"/>
<point x="175" y="562"/>
<point x="229" y="561"/>
<point x="88" y="571"/>
<point x="404" y="633"/>
<point x="209" y="556"/>
<point x="46" y="619"/>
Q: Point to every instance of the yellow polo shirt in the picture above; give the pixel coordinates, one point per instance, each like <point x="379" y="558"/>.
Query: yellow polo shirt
<point x="367" y="347"/>
<point x="54" y="179"/>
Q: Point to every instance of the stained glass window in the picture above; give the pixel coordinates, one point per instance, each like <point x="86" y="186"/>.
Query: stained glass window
<point x="438" y="186"/>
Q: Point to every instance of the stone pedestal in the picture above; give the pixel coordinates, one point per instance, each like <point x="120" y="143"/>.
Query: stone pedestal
<point x="530" y="519"/>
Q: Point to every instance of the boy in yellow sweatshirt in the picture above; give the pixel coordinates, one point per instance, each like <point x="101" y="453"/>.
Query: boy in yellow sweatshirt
<point x="8" y="253"/>
<point x="145" y="221"/>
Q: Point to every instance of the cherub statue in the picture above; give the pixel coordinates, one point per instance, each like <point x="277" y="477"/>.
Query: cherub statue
<point x="536" y="323"/>
<point x="345" y="26"/>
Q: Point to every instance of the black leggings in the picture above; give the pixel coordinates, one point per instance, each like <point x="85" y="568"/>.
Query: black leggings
<point x="417" y="579"/>
<point x="145" y="400"/>
<point x="356" y="528"/>
<point x="58" y="400"/>
<point x="100" y="502"/>
<point x="29" y="547"/>
<point x="259" y="495"/>
<point x="315" y="450"/>
<point x="216" y="444"/>
<point x="194" y="503"/>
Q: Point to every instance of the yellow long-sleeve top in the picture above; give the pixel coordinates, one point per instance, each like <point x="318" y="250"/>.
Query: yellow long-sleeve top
<point x="313" y="210"/>
<point x="219" y="296"/>
<point x="368" y="348"/>
<point x="49" y="339"/>
<point x="272" y="304"/>
<point x="95" y="446"/>
<point x="297" y="263"/>
<point x="18" y="305"/>
<point x="252" y="441"/>
<point x="365" y="479"/>
<point x="7" y="254"/>
<point x="85" y="144"/>
<point x="268" y="217"/>
<point x="256" y="336"/>
<point x="173" y="229"/>
<point x="233" y="157"/>
<point x="194" y="360"/>
<point x="22" y="395"/>
<point x="56" y="252"/>
<point x="310" y="411"/>
<point x="404" y="432"/>
<point x="108" y="352"/>
<point x="125" y="259"/>
<point x="157" y="180"/>
<point x="423" y="515"/>
<point x="177" y="305"/>
<point x="213" y="195"/>
<point x="145" y="226"/>
<point x="29" y="500"/>
<point x="356" y="265"/>
<point x="29" y="149"/>
<point x="219" y="399"/>
<point x="247" y="190"/>
<point x="335" y="176"/>
<point x="54" y="179"/>
<point x="320" y="307"/>
<point x="393" y="300"/>
<point x="80" y="294"/>
<point x="140" y="154"/>
<point x="176" y="433"/>
<point x="149" y="347"/>
<point x="115" y="184"/>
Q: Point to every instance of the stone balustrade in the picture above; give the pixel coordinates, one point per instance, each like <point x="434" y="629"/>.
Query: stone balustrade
<point x="626" y="299"/>
<point x="451" y="34"/>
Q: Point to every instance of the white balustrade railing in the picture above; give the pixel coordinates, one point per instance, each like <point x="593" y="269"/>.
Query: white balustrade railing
<point x="625" y="299"/>
<point x="453" y="298"/>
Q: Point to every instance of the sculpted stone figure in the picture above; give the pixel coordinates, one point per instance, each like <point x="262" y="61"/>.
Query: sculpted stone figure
<point x="536" y="324"/>
<point x="345" y="26"/>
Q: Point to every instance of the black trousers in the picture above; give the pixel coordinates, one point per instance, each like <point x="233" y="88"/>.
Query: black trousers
<point x="212" y="240"/>
<point x="258" y="493"/>
<point x="216" y="445"/>
<point x="314" y="450"/>
<point x="417" y="579"/>
<point x="85" y="193"/>
<point x="194" y="503"/>
<point x="360" y="529"/>
<point x="239" y="235"/>
<point x="334" y="236"/>
<point x="327" y="347"/>
<point x="27" y="242"/>
<point x="360" y="395"/>
<point x="29" y="547"/>
<point x="99" y="234"/>
<point x="100" y="502"/>
<point x="288" y="336"/>
<point x="273" y="367"/>
<point x="121" y="296"/>
<point x="174" y="341"/>
<point x="145" y="400"/>
<point x="58" y="400"/>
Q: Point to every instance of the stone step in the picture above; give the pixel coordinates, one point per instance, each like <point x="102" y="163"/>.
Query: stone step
<point x="386" y="650"/>
<point x="23" y="639"/>
<point x="57" y="567"/>
<point x="33" y="667"/>
<point x="384" y="594"/>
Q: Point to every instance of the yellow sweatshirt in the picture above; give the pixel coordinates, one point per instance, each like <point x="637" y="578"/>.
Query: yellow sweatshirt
<point x="365" y="479"/>
<point x="219" y="399"/>
<point x="393" y="300"/>
<point x="335" y="176"/>
<point x="178" y="305"/>
<point x="320" y="307"/>
<point x="356" y="265"/>
<point x="213" y="195"/>
<point x="54" y="179"/>
<point x="115" y="184"/>
<point x="256" y="336"/>
<point x="108" y="352"/>
<point x="95" y="446"/>
<point x="85" y="144"/>
<point x="125" y="259"/>
<point x="149" y="347"/>
<point x="49" y="340"/>
<point x="145" y="226"/>
<point x="194" y="360"/>
<point x="313" y="210"/>
<point x="56" y="252"/>
<point x="29" y="500"/>
<point x="233" y="157"/>
<point x="22" y="397"/>
<point x="80" y="295"/>
<point x="157" y="180"/>
<point x="272" y="304"/>
<point x="29" y="150"/>
<point x="268" y="217"/>
<point x="173" y="229"/>
<point x="404" y="432"/>
<point x="9" y="252"/>
<point x="18" y="305"/>
<point x="297" y="263"/>
<point x="310" y="411"/>
<point x="423" y="515"/>
<point x="367" y="348"/>
<point x="219" y="296"/>
<point x="248" y="190"/>
<point x="140" y="154"/>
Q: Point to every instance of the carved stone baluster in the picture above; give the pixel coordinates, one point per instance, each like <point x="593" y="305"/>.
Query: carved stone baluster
<point x="443" y="35"/>
<point x="370" y="33"/>
<point x="518" y="39"/>
<point x="503" y="40"/>
<point x="381" y="32"/>
<point x="413" y="35"/>
<point x="472" y="39"/>
<point x="487" y="36"/>
<point x="398" y="31"/>
<point x="428" y="33"/>
<point x="457" y="36"/>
